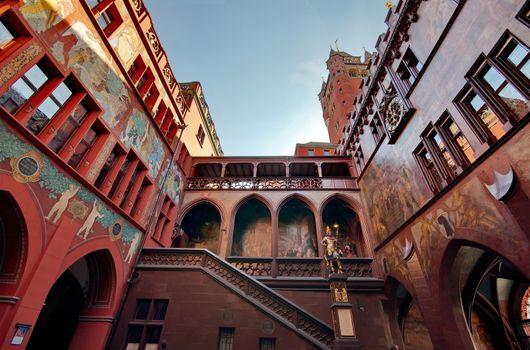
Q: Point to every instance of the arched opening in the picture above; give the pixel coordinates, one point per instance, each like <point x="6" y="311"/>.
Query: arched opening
<point x="252" y="230"/>
<point x="406" y="320"/>
<point x="346" y="227"/>
<point x="87" y="284"/>
<point x="201" y="228"/>
<point x="13" y="243"/>
<point x="297" y="230"/>
<point x="492" y="298"/>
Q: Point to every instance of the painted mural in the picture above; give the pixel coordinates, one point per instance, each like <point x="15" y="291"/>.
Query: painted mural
<point x="201" y="228"/>
<point x="252" y="230"/>
<point x="468" y="208"/>
<point x="173" y="183"/>
<point x="126" y="43"/>
<point x="297" y="231"/>
<point x="75" y="44"/>
<point x="396" y="193"/>
<point x="61" y="198"/>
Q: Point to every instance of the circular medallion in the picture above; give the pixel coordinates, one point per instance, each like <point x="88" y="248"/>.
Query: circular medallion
<point x="27" y="167"/>
<point x="394" y="112"/>
<point x="116" y="230"/>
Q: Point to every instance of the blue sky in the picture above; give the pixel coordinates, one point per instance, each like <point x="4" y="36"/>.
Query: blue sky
<point x="261" y="62"/>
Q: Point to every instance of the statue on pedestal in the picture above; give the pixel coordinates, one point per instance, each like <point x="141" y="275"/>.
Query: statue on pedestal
<point x="332" y="254"/>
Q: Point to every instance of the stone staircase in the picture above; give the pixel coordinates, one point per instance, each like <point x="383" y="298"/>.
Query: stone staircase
<point x="264" y="298"/>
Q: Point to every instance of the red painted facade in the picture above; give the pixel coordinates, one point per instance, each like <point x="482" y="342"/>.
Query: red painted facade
<point x="113" y="236"/>
<point x="315" y="149"/>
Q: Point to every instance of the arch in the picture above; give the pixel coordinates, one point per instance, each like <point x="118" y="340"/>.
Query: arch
<point x="201" y="227"/>
<point x="13" y="241"/>
<point x="301" y="197"/>
<point x="297" y="231"/>
<point x="480" y="287"/>
<point x="189" y="206"/>
<point x="356" y="207"/>
<point x="29" y="213"/>
<point x="406" y="321"/>
<point x="345" y="224"/>
<point x="252" y="233"/>
<point x="85" y="287"/>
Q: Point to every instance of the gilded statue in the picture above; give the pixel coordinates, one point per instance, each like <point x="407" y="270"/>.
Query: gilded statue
<point x="332" y="254"/>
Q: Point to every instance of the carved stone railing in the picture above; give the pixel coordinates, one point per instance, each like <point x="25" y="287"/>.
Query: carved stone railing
<point x="299" y="267"/>
<point x="253" y="183"/>
<point x="263" y="297"/>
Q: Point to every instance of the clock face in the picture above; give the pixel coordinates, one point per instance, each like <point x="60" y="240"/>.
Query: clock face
<point x="394" y="113"/>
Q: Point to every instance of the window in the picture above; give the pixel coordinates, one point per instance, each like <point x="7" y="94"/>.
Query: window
<point x="141" y="194"/>
<point x="428" y="168"/>
<point x="200" y="135"/>
<point x="146" y="327"/>
<point x="409" y="69"/>
<point x="72" y="123"/>
<point x="376" y="126"/>
<point x="24" y="88"/>
<point x="455" y="138"/>
<point x="109" y="164"/>
<point x="49" y="107"/>
<point x="164" y="220"/>
<point x="119" y="177"/>
<point x="7" y="35"/>
<point x="497" y="95"/>
<point x="524" y="14"/>
<point x="481" y="116"/>
<point x="130" y="185"/>
<point x="226" y="339"/>
<point x="106" y="14"/>
<point x="440" y="152"/>
<point x="327" y="153"/>
<point x="267" y="343"/>
<point x="310" y="152"/>
<point x="359" y="160"/>
<point x="336" y="125"/>
<point x="84" y="146"/>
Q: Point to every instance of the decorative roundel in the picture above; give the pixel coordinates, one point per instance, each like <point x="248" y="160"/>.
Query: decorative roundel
<point x="394" y="112"/>
<point x="27" y="167"/>
<point x="116" y="230"/>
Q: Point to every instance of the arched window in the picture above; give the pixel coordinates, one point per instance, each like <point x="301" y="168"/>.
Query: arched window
<point x="201" y="227"/>
<point x="346" y="227"/>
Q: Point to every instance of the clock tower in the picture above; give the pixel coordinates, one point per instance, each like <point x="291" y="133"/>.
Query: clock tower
<point x="338" y="92"/>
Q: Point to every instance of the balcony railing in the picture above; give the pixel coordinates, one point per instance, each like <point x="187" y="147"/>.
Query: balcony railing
<point x="299" y="267"/>
<point x="269" y="183"/>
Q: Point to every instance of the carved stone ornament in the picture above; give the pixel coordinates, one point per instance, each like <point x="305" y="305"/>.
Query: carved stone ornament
<point x="395" y="110"/>
<point x="153" y="40"/>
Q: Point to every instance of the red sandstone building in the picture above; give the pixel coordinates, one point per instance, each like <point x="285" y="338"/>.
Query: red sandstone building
<point x="315" y="149"/>
<point x="115" y="234"/>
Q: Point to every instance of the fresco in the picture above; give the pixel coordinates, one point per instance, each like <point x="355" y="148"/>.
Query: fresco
<point x="252" y="230"/>
<point x="297" y="231"/>
<point x="62" y="198"/>
<point x="76" y="45"/>
<point x="467" y="208"/>
<point x="126" y="43"/>
<point x="201" y="228"/>
<point x="396" y="193"/>
<point x="173" y="184"/>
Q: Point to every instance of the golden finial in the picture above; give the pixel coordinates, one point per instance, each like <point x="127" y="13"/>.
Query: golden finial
<point x="389" y="5"/>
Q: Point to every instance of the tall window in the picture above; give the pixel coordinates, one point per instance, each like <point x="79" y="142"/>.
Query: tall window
<point x="7" y="35"/>
<point x="24" y="88"/>
<point x="146" y="327"/>
<point x="120" y="175"/>
<point x="84" y="146"/>
<point x="497" y="96"/>
<point x="226" y="339"/>
<point x="426" y="162"/>
<point x="358" y="157"/>
<point x="164" y="219"/>
<point x="327" y="153"/>
<point x="454" y="137"/>
<point x="377" y="128"/>
<point x="409" y="69"/>
<point x="311" y="152"/>
<point x="201" y="135"/>
<point x="109" y="164"/>
<point x="106" y="14"/>
<point x="70" y="125"/>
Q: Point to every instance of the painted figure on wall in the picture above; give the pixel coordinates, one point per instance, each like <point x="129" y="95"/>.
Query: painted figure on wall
<point x="89" y="222"/>
<point x="60" y="206"/>
<point x="135" y="242"/>
<point x="252" y="230"/>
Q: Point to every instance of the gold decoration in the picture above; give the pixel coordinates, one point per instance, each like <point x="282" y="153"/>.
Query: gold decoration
<point x="15" y="65"/>
<point x="389" y="5"/>
<point x="27" y="167"/>
<point x="341" y="296"/>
